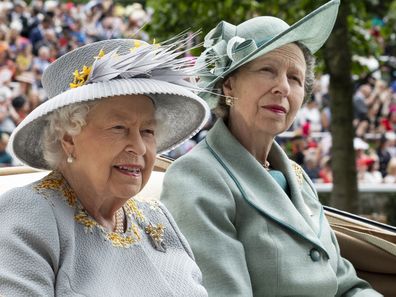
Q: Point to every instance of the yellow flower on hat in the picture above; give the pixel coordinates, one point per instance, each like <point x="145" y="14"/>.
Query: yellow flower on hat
<point x="80" y="77"/>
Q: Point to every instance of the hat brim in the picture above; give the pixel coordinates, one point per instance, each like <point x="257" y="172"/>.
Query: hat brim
<point x="312" y="31"/>
<point x="183" y="114"/>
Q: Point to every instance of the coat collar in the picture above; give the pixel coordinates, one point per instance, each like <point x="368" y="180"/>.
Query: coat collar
<point x="255" y="183"/>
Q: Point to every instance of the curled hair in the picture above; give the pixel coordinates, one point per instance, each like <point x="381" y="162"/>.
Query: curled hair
<point x="66" y="120"/>
<point x="222" y="110"/>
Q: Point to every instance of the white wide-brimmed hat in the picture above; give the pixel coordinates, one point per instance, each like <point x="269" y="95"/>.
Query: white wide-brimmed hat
<point x="112" y="68"/>
<point x="228" y="47"/>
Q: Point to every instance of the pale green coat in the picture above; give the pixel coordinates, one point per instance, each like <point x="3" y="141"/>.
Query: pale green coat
<point x="249" y="238"/>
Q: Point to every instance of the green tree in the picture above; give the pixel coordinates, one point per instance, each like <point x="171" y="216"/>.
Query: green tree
<point x="349" y="38"/>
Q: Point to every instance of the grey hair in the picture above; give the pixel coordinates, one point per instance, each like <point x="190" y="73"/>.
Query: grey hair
<point x="222" y="110"/>
<point x="66" y="120"/>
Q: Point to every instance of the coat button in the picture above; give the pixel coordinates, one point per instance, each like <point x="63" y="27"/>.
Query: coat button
<point x="314" y="254"/>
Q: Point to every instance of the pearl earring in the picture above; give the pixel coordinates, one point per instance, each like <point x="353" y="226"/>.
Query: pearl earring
<point x="229" y="100"/>
<point x="70" y="159"/>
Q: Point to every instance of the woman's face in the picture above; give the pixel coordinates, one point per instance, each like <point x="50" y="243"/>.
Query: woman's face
<point x="270" y="91"/>
<point x="115" y="152"/>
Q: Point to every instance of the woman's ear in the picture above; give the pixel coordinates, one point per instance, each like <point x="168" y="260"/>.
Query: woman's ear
<point x="228" y="86"/>
<point x="67" y="143"/>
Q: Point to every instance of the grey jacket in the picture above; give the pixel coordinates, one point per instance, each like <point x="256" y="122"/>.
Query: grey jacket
<point x="49" y="247"/>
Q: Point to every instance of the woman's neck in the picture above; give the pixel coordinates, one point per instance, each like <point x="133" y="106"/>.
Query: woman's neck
<point x="254" y="141"/>
<point x="102" y="209"/>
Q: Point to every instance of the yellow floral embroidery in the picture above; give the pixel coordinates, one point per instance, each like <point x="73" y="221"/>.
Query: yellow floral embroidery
<point x="55" y="181"/>
<point x="50" y="183"/>
<point x="83" y="219"/>
<point x="132" y="209"/>
<point x="299" y="173"/>
<point x="120" y="241"/>
<point x="135" y="230"/>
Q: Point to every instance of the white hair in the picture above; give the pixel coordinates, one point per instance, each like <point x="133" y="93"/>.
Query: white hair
<point x="66" y="120"/>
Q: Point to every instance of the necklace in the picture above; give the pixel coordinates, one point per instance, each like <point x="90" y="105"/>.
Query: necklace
<point x="266" y="165"/>
<point x="119" y="221"/>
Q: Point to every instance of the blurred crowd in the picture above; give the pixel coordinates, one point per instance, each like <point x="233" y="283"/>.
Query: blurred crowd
<point x="35" y="34"/>
<point x="374" y="101"/>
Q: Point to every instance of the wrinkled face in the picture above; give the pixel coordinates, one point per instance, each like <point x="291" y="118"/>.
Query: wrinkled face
<point x="115" y="152"/>
<point x="270" y="90"/>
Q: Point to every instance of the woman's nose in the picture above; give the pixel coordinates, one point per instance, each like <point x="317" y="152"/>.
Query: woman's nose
<point x="136" y="146"/>
<point x="282" y="86"/>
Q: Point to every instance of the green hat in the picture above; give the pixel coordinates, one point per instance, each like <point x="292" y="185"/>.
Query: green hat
<point x="228" y="47"/>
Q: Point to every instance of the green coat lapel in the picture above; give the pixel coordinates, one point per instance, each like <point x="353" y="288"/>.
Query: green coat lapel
<point x="257" y="186"/>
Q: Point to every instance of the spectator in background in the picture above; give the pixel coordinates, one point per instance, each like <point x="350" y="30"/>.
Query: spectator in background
<point x="18" y="14"/>
<point x="367" y="170"/>
<point x="78" y="33"/>
<point x="136" y="18"/>
<point x="383" y="154"/>
<point x="310" y="113"/>
<point x="390" y="177"/>
<point x="37" y="34"/>
<point x="5" y="158"/>
<point x="21" y="108"/>
<point x="6" y="122"/>
<point x="325" y="114"/>
<point x="41" y="62"/>
<point x="16" y="42"/>
<point x="297" y="149"/>
<point x="361" y="101"/>
<point x="325" y="172"/>
<point x="311" y="166"/>
<point x="7" y="65"/>
<point x="24" y="59"/>
<point x="389" y="121"/>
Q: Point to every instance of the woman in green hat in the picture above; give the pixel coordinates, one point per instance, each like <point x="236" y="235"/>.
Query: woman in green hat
<point x="250" y="214"/>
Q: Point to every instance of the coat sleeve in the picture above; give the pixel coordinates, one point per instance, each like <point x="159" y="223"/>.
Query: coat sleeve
<point x="29" y="249"/>
<point x="204" y="208"/>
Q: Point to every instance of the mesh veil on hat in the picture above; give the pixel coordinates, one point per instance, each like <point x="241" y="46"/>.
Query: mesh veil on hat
<point x="228" y="47"/>
<point x="112" y="68"/>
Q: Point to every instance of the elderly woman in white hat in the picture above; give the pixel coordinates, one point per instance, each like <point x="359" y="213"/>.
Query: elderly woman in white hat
<point x="251" y="215"/>
<point x="112" y="106"/>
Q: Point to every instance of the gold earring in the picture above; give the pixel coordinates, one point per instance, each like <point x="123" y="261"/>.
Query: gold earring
<point x="70" y="159"/>
<point x="229" y="100"/>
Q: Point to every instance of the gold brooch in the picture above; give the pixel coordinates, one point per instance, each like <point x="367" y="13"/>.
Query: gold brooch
<point x="156" y="233"/>
<point x="298" y="171"/>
